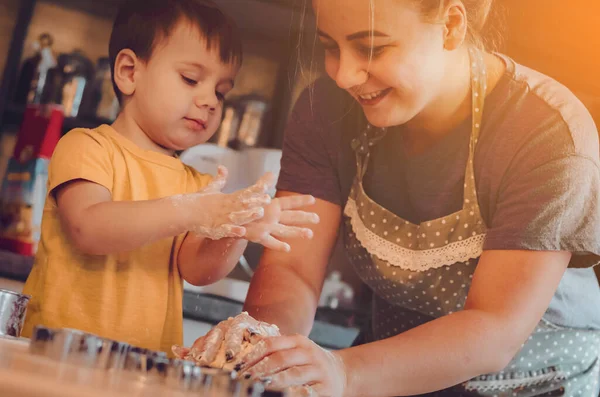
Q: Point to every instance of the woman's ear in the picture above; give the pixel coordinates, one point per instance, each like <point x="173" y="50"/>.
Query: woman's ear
<point x="455" y="25"/>
<point x="126" y="66"/>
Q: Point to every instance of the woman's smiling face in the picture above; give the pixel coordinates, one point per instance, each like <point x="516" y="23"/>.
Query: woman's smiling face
<point x="384" y="53"/>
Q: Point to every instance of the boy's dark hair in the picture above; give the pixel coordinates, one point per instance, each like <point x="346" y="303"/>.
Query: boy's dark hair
<point x="141" y="24"/>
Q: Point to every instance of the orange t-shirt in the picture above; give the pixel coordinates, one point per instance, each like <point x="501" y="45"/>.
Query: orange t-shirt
<point x="136" y="296"/>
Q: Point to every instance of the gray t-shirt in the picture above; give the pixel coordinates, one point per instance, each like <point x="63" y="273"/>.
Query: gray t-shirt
<point x="537" y="170"/>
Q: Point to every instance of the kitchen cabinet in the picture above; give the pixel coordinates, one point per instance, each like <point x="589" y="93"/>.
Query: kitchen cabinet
<point x="8" y="16"/>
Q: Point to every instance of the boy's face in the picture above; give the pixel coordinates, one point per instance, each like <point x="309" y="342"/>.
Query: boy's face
<point x="179" y="92"/>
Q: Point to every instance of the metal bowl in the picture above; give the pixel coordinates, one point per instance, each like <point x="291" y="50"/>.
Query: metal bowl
<point x="66" y="345"/>
<point x="13" y="307"/>
<point x="89" y="350"/>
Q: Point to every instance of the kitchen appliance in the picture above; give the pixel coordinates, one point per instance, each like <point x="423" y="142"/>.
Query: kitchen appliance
<point x="13" y="307"/>
<point x="68" y="363"/>
<point x="243" y="122"/>
<point x="66" y="83"/>
<point x="99" y="100"/>
<point x="23" y="189"/>
<point x="245" y="166"/>
<point x="32" y="78"/>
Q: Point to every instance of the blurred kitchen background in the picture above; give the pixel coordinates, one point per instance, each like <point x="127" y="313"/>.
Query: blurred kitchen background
<point x="55" y="51"/>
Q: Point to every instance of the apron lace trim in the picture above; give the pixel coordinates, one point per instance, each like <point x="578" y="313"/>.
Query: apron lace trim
<point x="528" y="379"/>
<point x="413" y="260"/>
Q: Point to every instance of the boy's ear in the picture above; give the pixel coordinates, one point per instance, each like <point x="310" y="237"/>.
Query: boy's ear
<point x="126" y="67"/>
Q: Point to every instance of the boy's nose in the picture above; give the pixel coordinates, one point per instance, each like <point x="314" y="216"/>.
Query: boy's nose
<point x="209" y="101"/>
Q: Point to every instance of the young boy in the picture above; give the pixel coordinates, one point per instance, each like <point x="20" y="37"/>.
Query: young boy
<point x="125" y="220"/>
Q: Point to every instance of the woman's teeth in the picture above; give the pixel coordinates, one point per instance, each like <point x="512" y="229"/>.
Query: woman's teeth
<point x="372" y="95"/>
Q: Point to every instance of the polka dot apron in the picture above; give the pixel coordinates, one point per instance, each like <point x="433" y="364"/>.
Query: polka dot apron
<point x="420" y="272"/>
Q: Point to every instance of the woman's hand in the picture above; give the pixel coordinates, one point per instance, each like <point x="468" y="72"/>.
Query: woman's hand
<point x="281" y="220"/>
<point x="292" y="361"/>
<point x="230" y="333"/>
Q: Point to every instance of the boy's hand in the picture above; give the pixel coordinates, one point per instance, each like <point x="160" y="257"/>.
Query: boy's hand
<point x="281" y="220"/>
<point x="217" y="215"/>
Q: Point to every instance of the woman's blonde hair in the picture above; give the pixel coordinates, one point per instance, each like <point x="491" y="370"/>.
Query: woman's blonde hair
<point x="481" y="32"/>
<point x="484" y="23"/>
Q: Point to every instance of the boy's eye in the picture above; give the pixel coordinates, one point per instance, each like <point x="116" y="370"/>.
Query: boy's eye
<point x="220" y="96"/>
<point x="189" y="81"/>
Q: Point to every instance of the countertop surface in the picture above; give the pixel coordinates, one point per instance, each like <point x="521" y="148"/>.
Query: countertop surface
<point x="333" y="329"/>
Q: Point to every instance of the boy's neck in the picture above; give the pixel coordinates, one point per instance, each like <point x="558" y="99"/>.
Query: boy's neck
<point x="130" y="129"/>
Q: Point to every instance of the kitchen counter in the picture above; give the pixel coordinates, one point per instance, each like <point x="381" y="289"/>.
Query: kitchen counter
<point x="14" y="266"/>
<point x="202" y="308"/>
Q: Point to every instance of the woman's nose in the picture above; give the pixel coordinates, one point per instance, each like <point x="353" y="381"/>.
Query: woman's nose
<point x="350" y="73"/>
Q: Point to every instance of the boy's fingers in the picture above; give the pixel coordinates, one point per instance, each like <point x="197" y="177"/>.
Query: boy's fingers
<point x="244" y="217"/>
<point x="256" y="200"/>
<point x="234" y="230"/>
<point x="218" y="183"/>
<point x="263" y="184"/>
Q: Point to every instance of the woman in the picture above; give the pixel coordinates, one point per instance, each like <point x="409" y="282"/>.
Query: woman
<point x="468" y="187"/>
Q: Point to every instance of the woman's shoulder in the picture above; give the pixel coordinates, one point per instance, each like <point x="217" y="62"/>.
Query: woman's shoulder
<point x="540" y="105"/>
<point x="324" y="105"/>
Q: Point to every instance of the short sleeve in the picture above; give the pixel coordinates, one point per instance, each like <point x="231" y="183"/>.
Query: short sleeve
<point x="308" y="163"/>
<point x="550" y="204"/>
<point x="200" y="180"/>
<point x="81" y="154"/>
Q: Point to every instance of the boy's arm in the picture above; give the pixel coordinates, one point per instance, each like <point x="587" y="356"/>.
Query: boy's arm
<point x="96" y="225"/>
<point x="203" y="261"/>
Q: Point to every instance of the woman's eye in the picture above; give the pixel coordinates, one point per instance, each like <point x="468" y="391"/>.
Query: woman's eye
<point x="189" y="81"/>
<point x="330" y="48"/>
<point x="374" y="52"/>
<point x="220" y="96"/>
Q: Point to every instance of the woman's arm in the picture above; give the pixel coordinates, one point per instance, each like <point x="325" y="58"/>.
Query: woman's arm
<point x="510" y="292"/>
<point x="286" y="287"/>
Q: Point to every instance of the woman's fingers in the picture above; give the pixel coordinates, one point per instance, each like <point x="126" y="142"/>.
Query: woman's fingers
<point x="180" y="351"/>
<point x="235" y="335"/>
<point x="295" y="201"/>
<point x="212" y="344"/>
<point x="271" y="242"/>
<point x="295" y="376"/>
<point x="294" y="218"/>
<point x="278" y="362"/>
<point x="268" y="346"/>
<point x="283" y="231"/>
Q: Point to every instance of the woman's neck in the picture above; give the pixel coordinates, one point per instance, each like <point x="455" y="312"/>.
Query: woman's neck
<point x="452" y="106"/>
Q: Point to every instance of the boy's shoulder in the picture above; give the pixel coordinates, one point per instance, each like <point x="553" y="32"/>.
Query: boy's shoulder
<point x="85" y="139"/>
